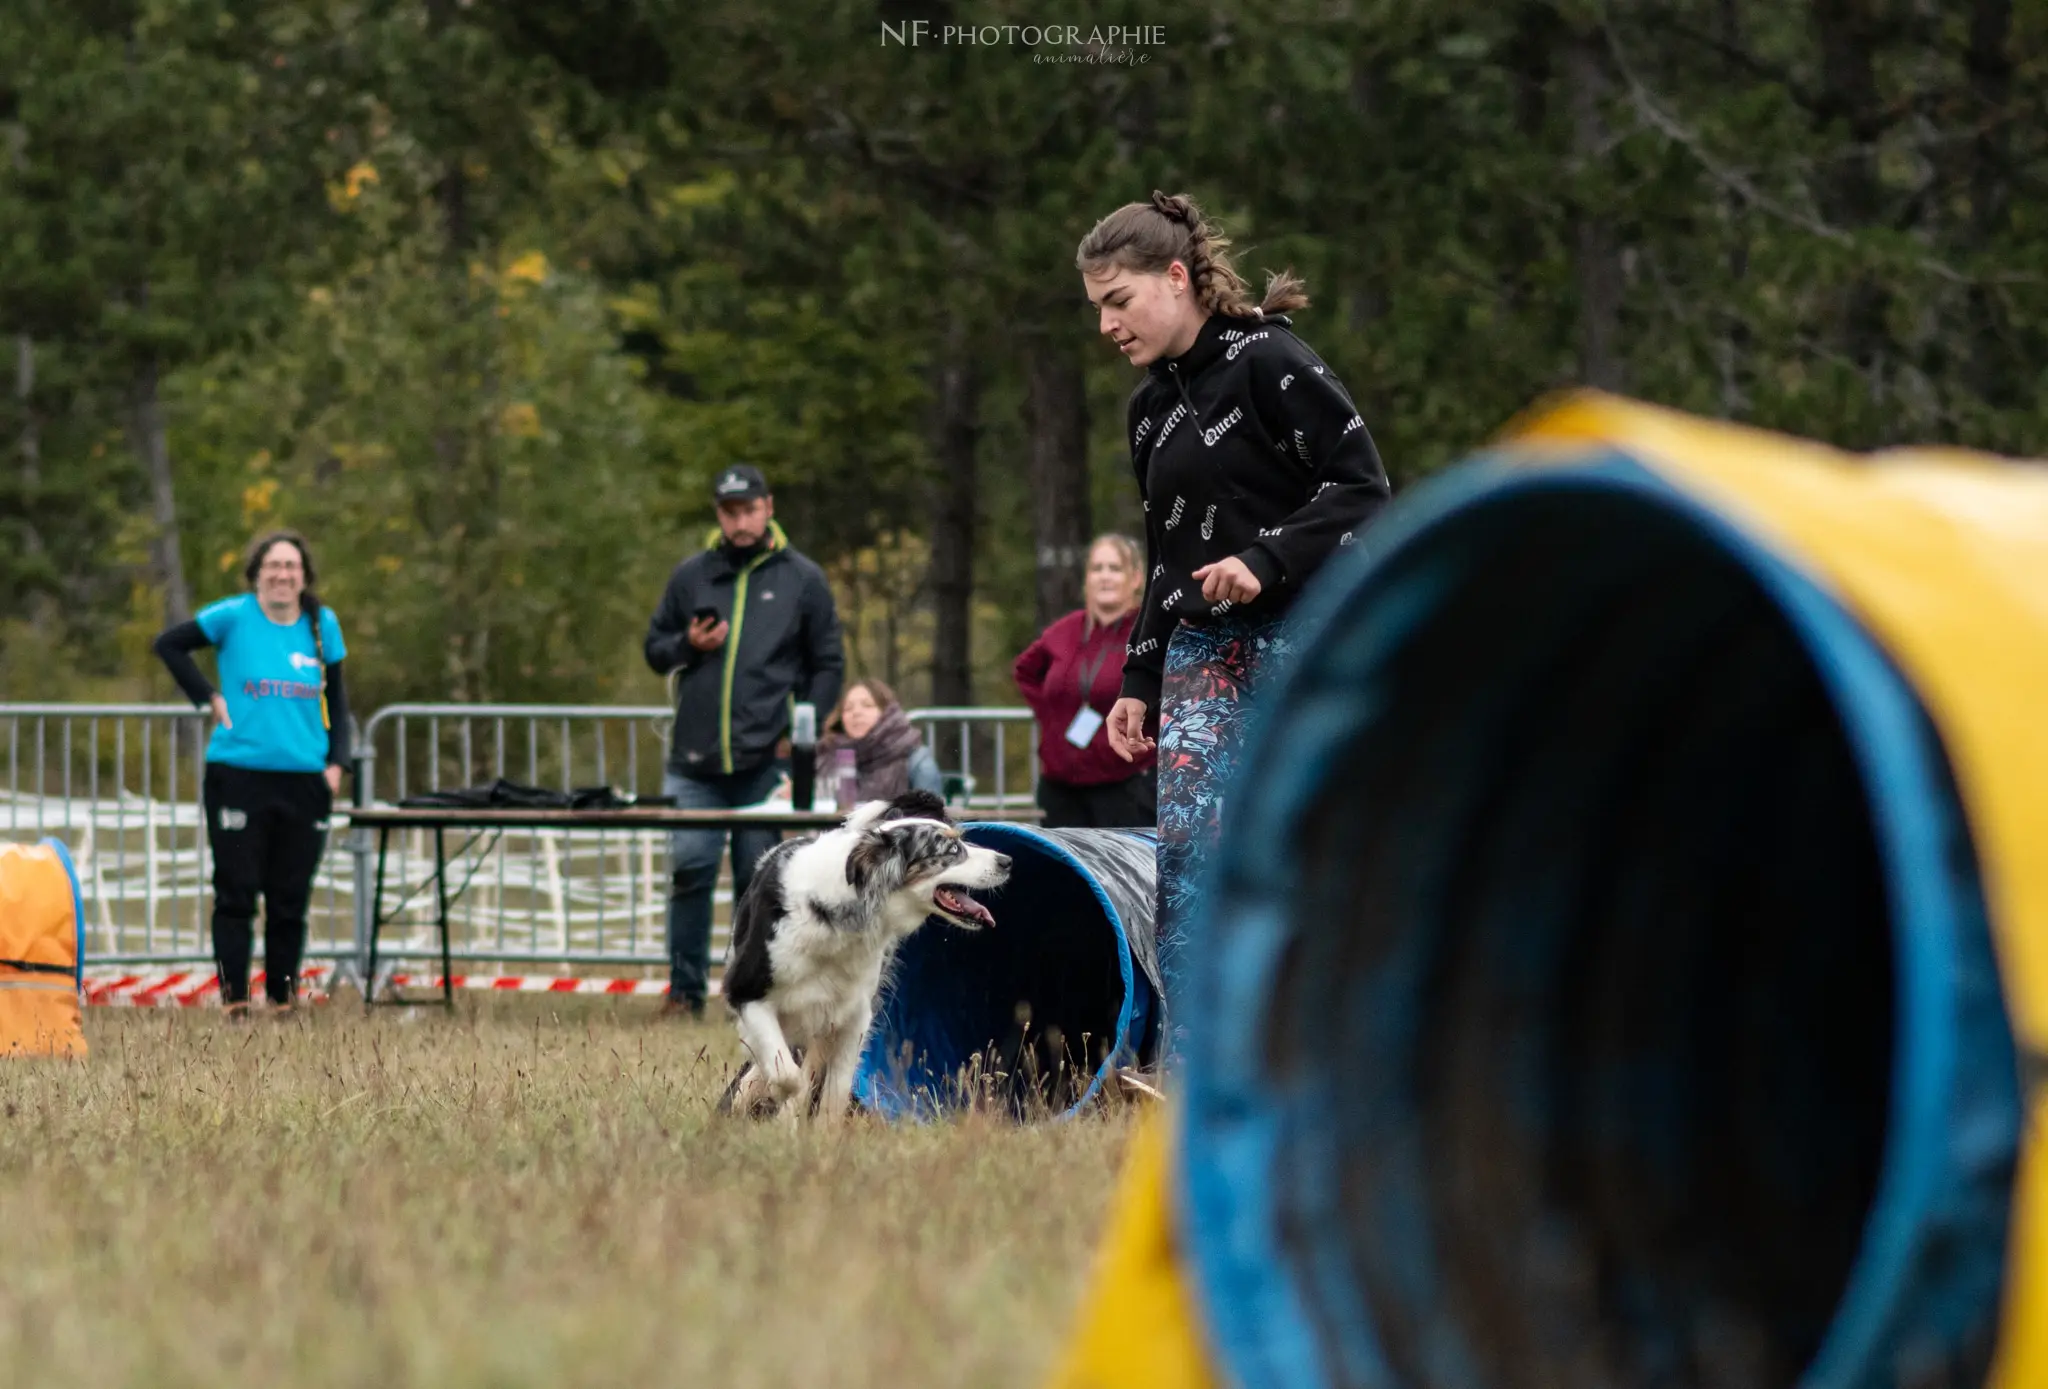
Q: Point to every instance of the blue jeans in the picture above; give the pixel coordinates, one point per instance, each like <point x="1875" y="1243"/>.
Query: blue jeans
<point x="693" y="859"/>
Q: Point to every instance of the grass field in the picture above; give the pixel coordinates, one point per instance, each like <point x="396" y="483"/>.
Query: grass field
<point x="535" y="1193"/>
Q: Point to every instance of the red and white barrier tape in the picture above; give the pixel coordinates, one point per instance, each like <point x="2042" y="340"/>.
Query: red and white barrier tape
<point x="178" y="988"/>
<point x="199" y="987"/>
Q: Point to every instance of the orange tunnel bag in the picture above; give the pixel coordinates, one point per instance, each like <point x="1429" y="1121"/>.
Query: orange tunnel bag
<point x="40" y="919"/>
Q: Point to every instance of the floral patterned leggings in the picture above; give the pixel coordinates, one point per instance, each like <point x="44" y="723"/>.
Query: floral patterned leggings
<point x="1214" y="675"/>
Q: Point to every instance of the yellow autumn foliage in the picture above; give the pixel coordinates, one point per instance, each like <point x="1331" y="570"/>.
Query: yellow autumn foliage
<point x="257" y="499"/>
<point x="519" y="420"/>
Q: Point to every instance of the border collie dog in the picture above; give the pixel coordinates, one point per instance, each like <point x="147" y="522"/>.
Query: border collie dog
<point x="817" y="927"/>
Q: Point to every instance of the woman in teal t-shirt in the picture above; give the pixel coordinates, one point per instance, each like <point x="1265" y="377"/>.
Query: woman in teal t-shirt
<point x="274" y="762"/>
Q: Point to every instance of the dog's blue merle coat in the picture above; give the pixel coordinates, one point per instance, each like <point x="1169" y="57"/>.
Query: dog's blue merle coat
<point x="749" y="974"/>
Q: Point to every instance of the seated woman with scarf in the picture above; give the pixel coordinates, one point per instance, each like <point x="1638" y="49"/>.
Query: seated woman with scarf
<point x="890" y="755"/>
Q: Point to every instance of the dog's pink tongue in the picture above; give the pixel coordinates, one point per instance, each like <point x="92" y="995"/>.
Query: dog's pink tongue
<point x="961" y="904"/>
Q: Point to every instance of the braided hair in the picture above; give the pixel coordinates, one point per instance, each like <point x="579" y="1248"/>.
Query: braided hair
<point x="1147" y="237"/>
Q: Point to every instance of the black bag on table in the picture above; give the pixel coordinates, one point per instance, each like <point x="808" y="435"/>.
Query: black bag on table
<point x="511" y="795"/>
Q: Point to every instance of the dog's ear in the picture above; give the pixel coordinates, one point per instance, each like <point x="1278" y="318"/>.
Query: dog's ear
<point x="866" y="860"/>
<point x="917" y="805"/>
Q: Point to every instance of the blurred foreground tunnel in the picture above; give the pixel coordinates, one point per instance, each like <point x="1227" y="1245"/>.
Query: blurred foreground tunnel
<point x="1628" y="936"/>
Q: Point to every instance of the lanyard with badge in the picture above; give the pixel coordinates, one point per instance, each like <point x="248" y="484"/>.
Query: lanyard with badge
<point x="1087" y="722"/>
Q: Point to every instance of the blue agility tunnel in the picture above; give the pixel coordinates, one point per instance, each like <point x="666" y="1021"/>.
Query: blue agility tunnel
<point x="1596" y="987"/>
<point x="1033" y="1014"/>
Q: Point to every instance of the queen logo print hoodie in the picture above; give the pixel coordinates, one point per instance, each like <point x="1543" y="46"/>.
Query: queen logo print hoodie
<point x="1247" y="445"/>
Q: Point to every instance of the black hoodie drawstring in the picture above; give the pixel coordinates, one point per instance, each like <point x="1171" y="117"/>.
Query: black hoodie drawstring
<point x="1195" y="422"/>
<point x="1173" y="370"/>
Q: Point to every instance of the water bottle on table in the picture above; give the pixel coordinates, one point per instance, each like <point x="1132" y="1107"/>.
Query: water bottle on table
<point x="846" y="778"/>
<point x="803" y="756"/>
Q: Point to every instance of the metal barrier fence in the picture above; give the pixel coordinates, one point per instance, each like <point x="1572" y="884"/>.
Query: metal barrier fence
<point x="121" y="785"/>
<point x="967" y="738"/>
<point x="585" y="897"/>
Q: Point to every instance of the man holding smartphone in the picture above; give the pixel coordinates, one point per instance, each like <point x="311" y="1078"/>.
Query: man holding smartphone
<point x="745" y="628"/>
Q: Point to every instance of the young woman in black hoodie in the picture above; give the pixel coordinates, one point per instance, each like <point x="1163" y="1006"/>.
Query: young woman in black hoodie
<point x="1254" y="467"/>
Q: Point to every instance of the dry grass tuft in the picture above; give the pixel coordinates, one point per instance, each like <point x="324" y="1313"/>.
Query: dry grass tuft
<point x="535" y="1193"/>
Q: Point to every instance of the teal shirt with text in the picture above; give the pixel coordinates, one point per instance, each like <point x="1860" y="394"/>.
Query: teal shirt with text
<point x="271" y="676"/>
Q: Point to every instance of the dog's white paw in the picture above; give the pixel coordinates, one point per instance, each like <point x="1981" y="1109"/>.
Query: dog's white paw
<point x="785" y="1080"/>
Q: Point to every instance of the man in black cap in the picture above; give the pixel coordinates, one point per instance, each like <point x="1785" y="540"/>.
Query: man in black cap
<point x="746" y="627"/>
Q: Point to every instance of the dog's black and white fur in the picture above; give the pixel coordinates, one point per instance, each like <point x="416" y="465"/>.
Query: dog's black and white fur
<point x="815" y="931"/>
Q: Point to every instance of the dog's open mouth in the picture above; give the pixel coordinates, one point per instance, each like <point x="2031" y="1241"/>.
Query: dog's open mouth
<point x="956" y="903"/>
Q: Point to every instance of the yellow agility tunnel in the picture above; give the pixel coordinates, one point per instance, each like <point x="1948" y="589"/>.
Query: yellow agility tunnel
<point x="1627" y="960"/>
<point x="42" y="948"/>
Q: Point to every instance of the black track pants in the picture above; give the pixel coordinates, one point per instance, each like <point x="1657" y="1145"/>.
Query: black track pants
<point x="267" y="831"/>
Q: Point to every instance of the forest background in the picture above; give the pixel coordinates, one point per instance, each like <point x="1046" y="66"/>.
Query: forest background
<point x="480" y="293"/>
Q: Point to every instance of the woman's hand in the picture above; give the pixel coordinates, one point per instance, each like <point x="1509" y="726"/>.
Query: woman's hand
<point x="1127" y="729"/>
<point x="333" y="775"/>
<point x="1230" y="579"/>
<point x="220" y="710"/>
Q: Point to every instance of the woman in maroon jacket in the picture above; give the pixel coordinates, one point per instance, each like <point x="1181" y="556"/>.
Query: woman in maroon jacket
<point x="1070" y="677"/>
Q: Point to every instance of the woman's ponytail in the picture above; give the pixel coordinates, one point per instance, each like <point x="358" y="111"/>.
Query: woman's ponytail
<point x="1148" y="237"/>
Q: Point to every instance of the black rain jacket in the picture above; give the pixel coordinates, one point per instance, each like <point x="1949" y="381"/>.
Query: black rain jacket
<point x="733" y="704"/>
